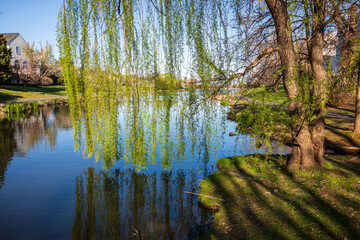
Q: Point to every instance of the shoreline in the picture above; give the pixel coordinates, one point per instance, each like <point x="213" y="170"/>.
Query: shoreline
<point x="31" y="104"/>
<point x="339" y="139"/>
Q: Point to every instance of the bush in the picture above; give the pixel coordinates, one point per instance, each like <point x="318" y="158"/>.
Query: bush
<point x="224" y="102"/>
<point x="34" y="105"/>
<point x="167" y="82"/>
<point x="15" y="108"/>
<point x="21" y="107"/>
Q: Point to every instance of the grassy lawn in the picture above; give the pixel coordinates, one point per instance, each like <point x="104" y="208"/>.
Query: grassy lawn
<point x="261" y="200"/>
<point x="341" y="110"/>
<point x="8" y="93"/>
<point x="262" y="94"/>
<point x="279" y="97"/>
<point x="339" y="132"/>
<point x="339" y="136"/>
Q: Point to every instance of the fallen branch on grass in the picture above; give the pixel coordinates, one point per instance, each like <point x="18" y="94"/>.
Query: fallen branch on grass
<point x="204" y="195"/>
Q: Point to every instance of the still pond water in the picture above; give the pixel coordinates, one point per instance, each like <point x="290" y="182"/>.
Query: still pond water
<point x="49" y="190"/>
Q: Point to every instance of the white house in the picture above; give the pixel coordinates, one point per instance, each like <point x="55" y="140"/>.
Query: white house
<point x="331" y="51"/>
<point x="15" y="41"/>
<point x="18" y="58"/>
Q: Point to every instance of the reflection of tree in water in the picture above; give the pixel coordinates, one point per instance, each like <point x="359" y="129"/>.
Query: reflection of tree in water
<point x="20" y="135"/>
<point x="127" y="204"/>
<point x="7" y="146"/>
<point x="62" y="118"/>
<point x="30" y="131"/>
<point x="147" y="129"/>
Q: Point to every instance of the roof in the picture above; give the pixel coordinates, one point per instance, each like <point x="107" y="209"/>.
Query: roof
<point x="9" y="37"/>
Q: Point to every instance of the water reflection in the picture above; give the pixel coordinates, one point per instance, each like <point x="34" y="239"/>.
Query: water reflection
<point x="7" y="146"/>
<point x="127" y="204"/>
<point x="145" y="130"/>
<point x="43" y="126"/>
<point x="19" y="136"/>
<point x="67" y="195"/>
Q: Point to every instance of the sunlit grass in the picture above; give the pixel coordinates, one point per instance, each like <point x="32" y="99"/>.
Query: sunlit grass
<point x="262" y="94"/>
<point x="8" y="93"/>
<point x="261" y="200"/>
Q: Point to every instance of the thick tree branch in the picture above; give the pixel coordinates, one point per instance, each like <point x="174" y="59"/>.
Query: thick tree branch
<point x="255" y="62"/>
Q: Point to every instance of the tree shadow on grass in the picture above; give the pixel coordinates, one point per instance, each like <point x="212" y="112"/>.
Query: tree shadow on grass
<point x="329" y="126"/>
<point x="49" y="89"/>
<point x="282" y="207"/>
<point x="4" y="97"/>
<point x="351" y="165"/>
<point x="341" y="142"/>
<point x="344" y="136"/>
<point x="342" y="108"/>
<point x="56" y="90"/>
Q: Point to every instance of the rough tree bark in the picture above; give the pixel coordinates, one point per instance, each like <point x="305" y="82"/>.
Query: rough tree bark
<point x="347" y="28"/>
<point x="349" y="46"/>
<point x="305" y="154"/>
<point x="320" y="78"/>
<point x="354" y="21"/>
<point x="357" y="104"/>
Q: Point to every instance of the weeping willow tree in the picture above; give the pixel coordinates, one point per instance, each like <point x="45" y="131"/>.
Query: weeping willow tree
<point x="108" y="43"/>
<point x="116" y="55"/>
<point x="111" y="49"/>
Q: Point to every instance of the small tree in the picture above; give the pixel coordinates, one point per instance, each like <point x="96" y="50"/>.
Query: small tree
<point x="40" y="64"/>
<point x="55" y="73"/>
<point x="349" y="73"/>
<point x="5" y="58"/>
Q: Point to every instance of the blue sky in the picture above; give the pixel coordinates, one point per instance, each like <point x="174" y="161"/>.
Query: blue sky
<point x="35" y="20"/>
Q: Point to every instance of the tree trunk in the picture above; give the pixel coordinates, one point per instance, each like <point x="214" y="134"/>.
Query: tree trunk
<point x="320" y="79"/>
<point x="318" y="138"/>
<point x="355" y="22"/>
<point x="347" y="27"/>
<point x="349" y="35"/>
<point x="24" y="85"/>
<point x="302" y="156"/>
<point x="357" y="105"/>
<point x="305" y="154"/>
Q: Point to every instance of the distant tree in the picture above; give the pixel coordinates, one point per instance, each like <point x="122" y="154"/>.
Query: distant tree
<point x="5" y="57"/>
<point x="357" y="106"/>
<point x="167" y="81"/>
<point x="55" y="73"/>
<point x="349" y="73"/>
<point x="40" y="64"/>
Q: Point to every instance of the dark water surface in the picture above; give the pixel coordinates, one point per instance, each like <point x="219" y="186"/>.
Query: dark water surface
<point x="50" y="191"/>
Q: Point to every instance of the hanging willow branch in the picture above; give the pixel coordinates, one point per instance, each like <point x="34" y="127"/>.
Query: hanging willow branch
<point x="116" y="53"/>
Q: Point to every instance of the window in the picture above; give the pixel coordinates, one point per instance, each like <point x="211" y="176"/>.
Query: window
<point x="25" y="65"/>
<point x="18" y="50"/>
<point x="17" y="64"/>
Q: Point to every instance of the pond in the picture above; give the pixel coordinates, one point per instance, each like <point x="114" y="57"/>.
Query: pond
<point x="128" y="178"/>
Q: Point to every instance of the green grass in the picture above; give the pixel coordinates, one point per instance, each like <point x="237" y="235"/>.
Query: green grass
<point x="262" y="94"/>
<point x="8" y="93"/>
<point x="341" y="110"/>
<point x="261" y="200"/>
<point x="339" y="136"/>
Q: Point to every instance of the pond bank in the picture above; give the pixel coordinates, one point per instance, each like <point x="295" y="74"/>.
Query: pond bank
<point x="339" y="125"/>
<point x="138" y="192"/>
<point x="26" y="106"/>
<point x="256" y="198"/>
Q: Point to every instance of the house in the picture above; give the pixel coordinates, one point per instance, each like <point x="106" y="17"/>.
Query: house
<point x="331" y="51"/>
<point x="18" y="61"/>
<point x="15" y="41"/>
